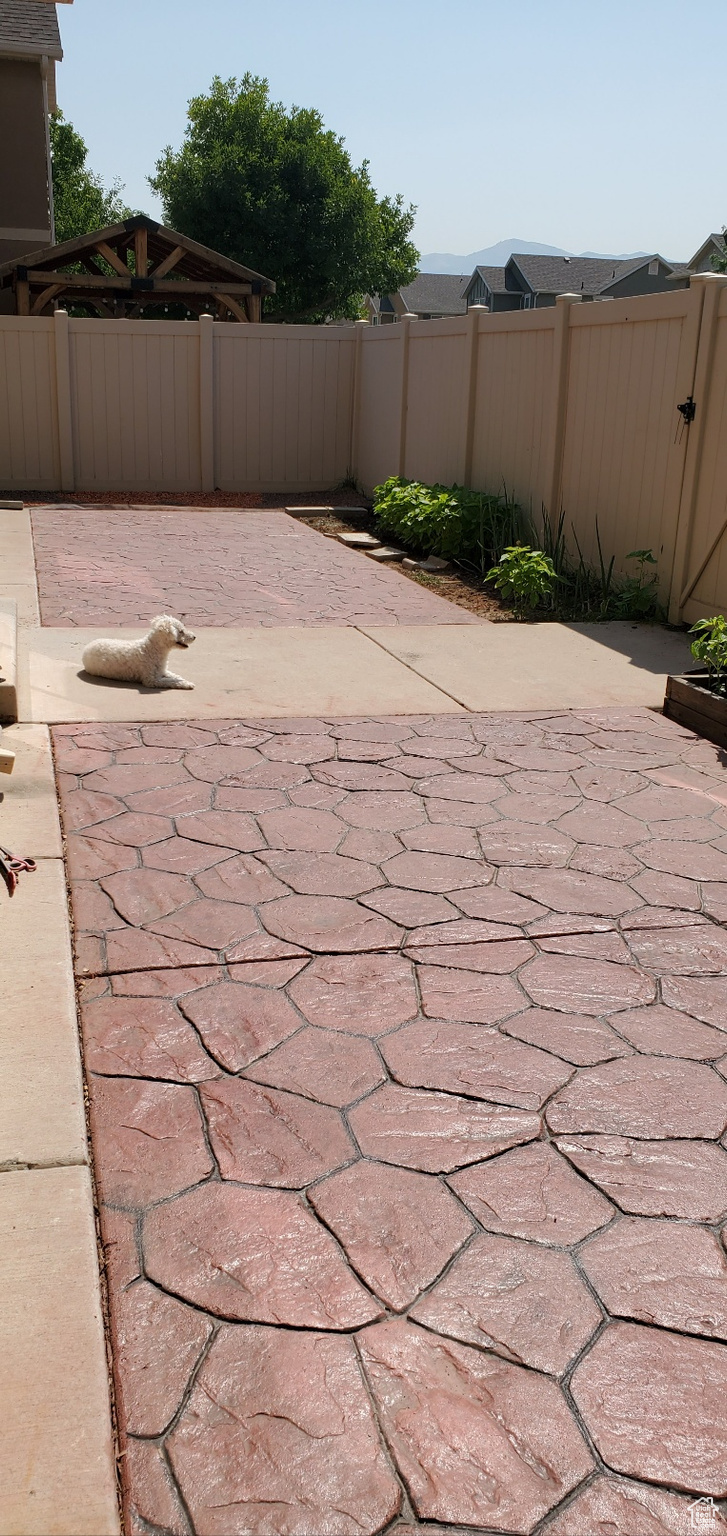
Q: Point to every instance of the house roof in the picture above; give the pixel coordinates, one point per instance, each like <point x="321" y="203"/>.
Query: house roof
<point x="494" y="277"/>
<point x="567" y="274"/>
<point x="435" y="293"/>
<point x="720" y="246"/>
<point x="29" y="29"/>
<point x="625" y="268"/>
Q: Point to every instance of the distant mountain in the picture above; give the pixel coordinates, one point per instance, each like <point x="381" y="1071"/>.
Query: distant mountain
<point x="498" y="255"/>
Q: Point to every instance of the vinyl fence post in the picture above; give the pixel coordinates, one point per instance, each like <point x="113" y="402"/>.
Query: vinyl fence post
<point x="473" y="337"/>
<point x="63" y="400"/>
<point x="682" y="585"/>
<point x="405" y="330"/>
<point x="561" y="358"/>
<point x="356" y="399"/>
<point x="206" y="403"/>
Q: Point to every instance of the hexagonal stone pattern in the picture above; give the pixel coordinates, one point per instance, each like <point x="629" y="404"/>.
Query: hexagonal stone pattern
<point x="263" y="1433"/>
<point x="615" y="1506"/>
<point x="659" y="1272"/>
<point x="654" y="1403"/>
<point x="527" y="1303"/>
<point x="417" y="1016"/>
<point x="533" y="1193"/>
<point x="476" y="1439"/>
<point x="398" y="1228"/>
<point x="262" y="1136"/>
<point x="253" y="1255"/>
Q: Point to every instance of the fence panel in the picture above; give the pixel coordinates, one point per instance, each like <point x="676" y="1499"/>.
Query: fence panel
<point x="379" y="403"/>
<point x="436" y="401"/>
<point x="283" y="403"/>
<point x="29" y="453"/>
<point x="135" y="393"/>
<point x="514" y="405"/>
<point x="631" y="362"/>
<point x="708" y="594"/>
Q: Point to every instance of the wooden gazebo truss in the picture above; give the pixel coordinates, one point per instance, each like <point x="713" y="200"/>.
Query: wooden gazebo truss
<point x="123" y="271"/>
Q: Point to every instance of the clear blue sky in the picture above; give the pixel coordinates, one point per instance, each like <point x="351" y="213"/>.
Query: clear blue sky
<point x="593" y="127"/>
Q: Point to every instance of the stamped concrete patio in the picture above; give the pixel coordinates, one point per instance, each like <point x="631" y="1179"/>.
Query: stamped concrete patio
<point x="406" y="1041"/>
<point x="405" y="1038"/>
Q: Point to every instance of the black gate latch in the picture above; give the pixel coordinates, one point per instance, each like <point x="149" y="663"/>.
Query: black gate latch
<point x="688" y="409"/>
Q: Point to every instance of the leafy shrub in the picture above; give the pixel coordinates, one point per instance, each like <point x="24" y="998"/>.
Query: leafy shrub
<point x="524" y="576"/>
<point x="446" y="520"/>
<point x="710" y="647"/>
<point x="475" y="530"/>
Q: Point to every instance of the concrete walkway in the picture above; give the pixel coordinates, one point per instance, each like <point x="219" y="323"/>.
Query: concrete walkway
<point x="404" y="1033"/>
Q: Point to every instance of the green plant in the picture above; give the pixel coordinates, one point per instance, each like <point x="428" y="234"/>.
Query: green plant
<point x="586" y="591"/>
<point x="451" y="521"/>
<point x="637" y="597"/>
<point x="710" y="647"/>
<point x="524" y="576"/>
<point x="273" y="188"/>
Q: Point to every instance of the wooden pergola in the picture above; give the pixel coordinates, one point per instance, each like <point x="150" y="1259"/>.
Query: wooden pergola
<point x="124" y="270"/>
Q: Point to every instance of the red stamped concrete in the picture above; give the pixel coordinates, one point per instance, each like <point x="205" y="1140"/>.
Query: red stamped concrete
<point x="407" y="1056"/>
<point x="242" y="568"/>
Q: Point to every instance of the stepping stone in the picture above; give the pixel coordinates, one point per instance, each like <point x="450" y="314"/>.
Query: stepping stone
<point x="386" y="552"/>
<point x="359" y="540"/>
<point x="432" y="563"/>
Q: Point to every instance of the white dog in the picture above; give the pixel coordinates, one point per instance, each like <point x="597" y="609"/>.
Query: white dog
<point x="141" y="661"/>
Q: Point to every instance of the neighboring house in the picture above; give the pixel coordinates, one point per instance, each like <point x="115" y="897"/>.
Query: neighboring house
<point x="30" y="47"/>
<point x="431" y="296"/>
<point x="489" y="285"/>
<point x="539" y="279"/>
<point x="714" y="245"/>
<point x="529" y="282"/>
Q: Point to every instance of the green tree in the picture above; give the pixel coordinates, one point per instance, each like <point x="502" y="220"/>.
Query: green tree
<point x="719" y="263"/>
<point x="276" y="191"/>
<point x="81" y="201"/>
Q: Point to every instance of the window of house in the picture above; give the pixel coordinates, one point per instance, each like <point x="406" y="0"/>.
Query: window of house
<point x="654" y="268"/>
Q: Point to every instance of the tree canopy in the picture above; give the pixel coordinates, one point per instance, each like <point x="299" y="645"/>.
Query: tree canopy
<point x="81" y="201"/>
<point x="719" y="263"/>
<point x="276" y="190"/>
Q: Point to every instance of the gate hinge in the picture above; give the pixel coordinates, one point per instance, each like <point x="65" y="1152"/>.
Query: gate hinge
<point x="688" y="409"/>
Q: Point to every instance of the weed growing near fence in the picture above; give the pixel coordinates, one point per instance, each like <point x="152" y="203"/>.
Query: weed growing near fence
<point x="585" y="591"/>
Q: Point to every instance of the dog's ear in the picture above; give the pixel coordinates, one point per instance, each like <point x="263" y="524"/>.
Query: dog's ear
<point x="164" y="624"/>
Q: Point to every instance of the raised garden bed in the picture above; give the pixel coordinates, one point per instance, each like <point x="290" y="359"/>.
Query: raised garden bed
<point x="691" y="703"/>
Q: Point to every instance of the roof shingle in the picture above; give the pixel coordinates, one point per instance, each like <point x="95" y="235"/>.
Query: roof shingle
<point x="29" y="28"/>
<point x="567" y="274"/>
<point x="435" y="293"/>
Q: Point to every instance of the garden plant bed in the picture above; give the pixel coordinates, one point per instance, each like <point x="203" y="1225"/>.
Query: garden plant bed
<point x="691" y="703"/>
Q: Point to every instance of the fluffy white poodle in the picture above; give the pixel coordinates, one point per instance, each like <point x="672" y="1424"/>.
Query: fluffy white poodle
<point x="141" y="661"/>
